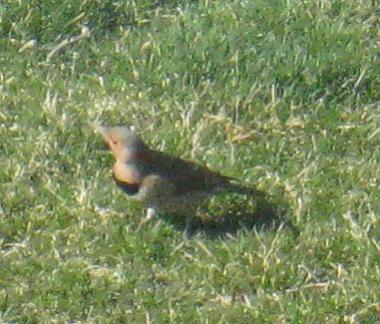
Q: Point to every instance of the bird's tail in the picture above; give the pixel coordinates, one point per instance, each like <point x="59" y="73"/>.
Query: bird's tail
<point x="244" y="190"/>
<point x="234" y="186"/>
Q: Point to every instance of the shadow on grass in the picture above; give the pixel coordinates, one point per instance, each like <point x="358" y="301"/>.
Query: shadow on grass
<point x="227" y="216"/>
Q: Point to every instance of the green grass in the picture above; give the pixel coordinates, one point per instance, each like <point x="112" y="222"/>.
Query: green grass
<point x="284" y="95"/>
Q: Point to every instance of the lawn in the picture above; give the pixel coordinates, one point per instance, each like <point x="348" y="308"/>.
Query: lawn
<point x="282" y="95"/>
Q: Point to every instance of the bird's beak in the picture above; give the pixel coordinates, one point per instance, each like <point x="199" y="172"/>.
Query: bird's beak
<point x="102" y="131"/>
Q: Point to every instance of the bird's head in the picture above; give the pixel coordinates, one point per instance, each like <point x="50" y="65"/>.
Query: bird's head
<point x="124" y="143"/>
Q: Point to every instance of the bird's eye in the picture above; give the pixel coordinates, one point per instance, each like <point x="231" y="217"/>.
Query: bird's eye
<point x="115" y="142"/>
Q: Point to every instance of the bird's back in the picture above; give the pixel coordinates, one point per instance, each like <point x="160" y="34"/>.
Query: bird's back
<point x="187" y="176"/>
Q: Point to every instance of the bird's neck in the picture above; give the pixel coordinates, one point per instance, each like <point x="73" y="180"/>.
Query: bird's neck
<point x="131" y="156"/>
<point x="142" y="156"/>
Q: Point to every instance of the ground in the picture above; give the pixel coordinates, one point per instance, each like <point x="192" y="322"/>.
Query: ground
<point x="283" y="95"/>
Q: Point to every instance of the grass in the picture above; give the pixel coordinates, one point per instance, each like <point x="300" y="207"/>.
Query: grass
<point x="283" y="95"/>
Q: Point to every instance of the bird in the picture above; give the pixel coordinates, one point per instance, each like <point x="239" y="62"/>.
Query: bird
<point x="160" y="181"/>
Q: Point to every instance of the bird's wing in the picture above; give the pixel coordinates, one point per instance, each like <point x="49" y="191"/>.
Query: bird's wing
<point x="155" y="188"/>
<point x="188" y="176"/>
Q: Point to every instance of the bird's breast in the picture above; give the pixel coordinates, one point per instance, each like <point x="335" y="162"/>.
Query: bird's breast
<point x="127" y="172"/>
<point x="127" y="177"/>
<point x="129" y="188"/>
